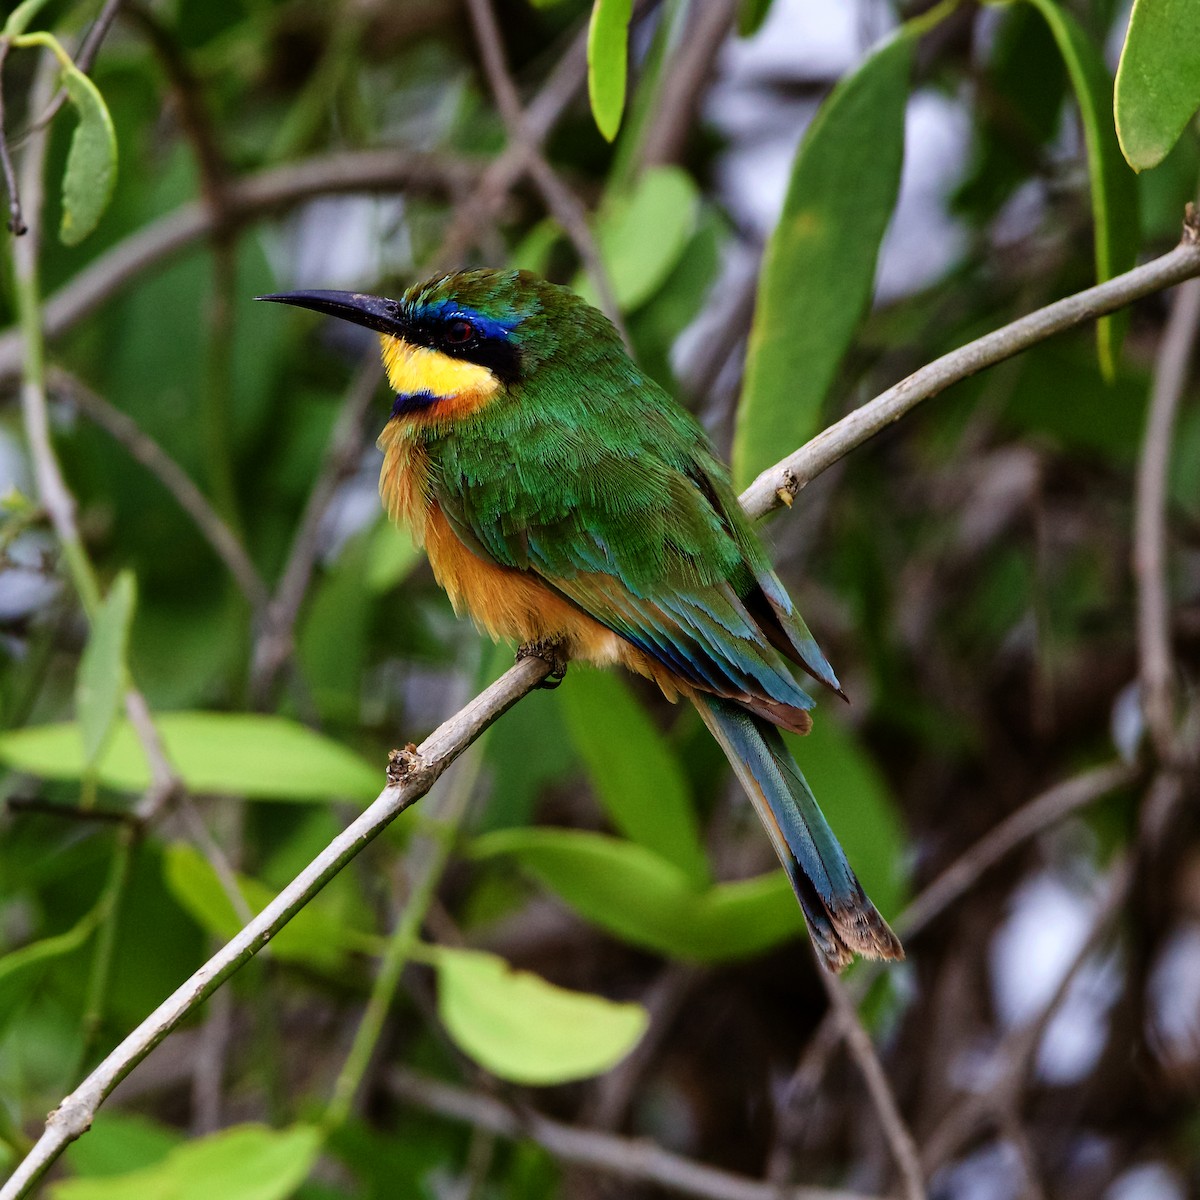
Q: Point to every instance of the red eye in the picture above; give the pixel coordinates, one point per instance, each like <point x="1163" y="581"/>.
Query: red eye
<point x="459" y="333"/>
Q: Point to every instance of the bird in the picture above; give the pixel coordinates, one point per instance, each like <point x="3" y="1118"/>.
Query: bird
<point x="569" y="503"/>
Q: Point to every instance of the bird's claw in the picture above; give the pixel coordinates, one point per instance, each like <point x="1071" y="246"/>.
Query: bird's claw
<point x="551" y="651"/>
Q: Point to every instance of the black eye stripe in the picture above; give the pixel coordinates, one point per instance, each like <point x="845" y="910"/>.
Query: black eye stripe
<point x="459" y="337"/>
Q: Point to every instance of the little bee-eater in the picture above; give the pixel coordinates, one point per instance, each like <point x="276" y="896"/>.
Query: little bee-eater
<point x="567" y="502"/>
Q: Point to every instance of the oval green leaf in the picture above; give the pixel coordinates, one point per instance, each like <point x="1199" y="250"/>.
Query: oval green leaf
<point x="634" y="770"/>
<point x="1113" y="187"/>
<point x="1158" y="79"/>
<point x="21" y="16"/>
<point x="21" y="969"/>
<point x="91" y="172"/>
<point x="819" y="266"/>
<point x="315" y="936"/>
<point x="236" y="754"/>
<point x="246" y="1162"/>
<point x="644" y="900"/>
<point x="607" y="59"/>
<point x="526" y="1030"/>
<point x="102" y="675"/>
<point x="642" y="236"/>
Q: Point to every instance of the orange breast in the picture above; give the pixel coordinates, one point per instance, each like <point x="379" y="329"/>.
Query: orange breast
<point x="505" y="603"/>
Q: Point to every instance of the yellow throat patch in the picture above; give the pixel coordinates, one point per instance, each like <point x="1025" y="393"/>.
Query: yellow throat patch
<point x="415" y="369"/>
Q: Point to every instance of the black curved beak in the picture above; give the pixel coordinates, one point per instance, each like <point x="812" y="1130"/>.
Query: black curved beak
<point x="374" y="312"/>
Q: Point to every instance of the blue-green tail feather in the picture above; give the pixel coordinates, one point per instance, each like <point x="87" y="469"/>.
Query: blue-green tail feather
<point x="841" y="919"/>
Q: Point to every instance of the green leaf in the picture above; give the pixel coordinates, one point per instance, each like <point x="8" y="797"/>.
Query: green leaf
<point x="1158" y="79"/>
<point x="642" y="236"/>
<point x="607" y="59"/>
<point x="526" y="1030"/>
<point x="91" y="172"/>
<point x="20" y="17"/>
<point x="315" y="936"/>
<point x="819" y="267"/>
<point x="1113" y="187"/>
<point x="634" y="770"/>
<point x="238" y="754"/>
<point x="102" y="672"/>
<point x="391" y="556"/>
<point x="645" y="900"/>
<point x="120" y="1142"/>
<point x="20" y="970"/>
<point x="246" y="1162"/>
<point x="751" y="15"/>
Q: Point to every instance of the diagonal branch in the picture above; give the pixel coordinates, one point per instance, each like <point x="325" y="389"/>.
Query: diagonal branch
<point x="635" y="1159"/>
<point x="778" y="484"/>
<point x="1156" y="672"/>
<point x="563" y="204"/>
<point x="246" y="199"/>
<point x="142" y="447"/>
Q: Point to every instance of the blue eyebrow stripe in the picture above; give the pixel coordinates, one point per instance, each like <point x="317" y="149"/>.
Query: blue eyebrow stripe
<point x="489" y="327"/>
<point x="407" y="402"/>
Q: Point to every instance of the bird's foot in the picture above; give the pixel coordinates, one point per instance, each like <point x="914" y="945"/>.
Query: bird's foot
<point x="549" y="650"/>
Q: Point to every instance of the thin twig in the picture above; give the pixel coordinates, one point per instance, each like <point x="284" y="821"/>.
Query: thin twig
<point x="683" y="80"/>
<point x="1156" y="671"/>
<point x="1041" y="813"/>
<point x="142" y="447"/>
<point x="1017" y="1053"/>
<point x="786" y="478"/>
<point x="252" y="197"/>
<point x="563" y="204"/>
<point x="634" y="1159"/>
<point x="16" y="222"/>
<point x="85" y="59"/>
<point x="858" y="1042"/>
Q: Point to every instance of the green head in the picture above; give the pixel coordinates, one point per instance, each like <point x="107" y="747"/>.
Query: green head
<point x="464" y="337"/>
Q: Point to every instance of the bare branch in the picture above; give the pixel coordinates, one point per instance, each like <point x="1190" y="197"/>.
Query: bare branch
<point x="16" y="222"/>
<point x="1036" y="815"/>
<point x="1156" y="671"/>
<point x="786" y="478"/>
<point x="627" y="1158"/>
<point x="1017" y="1053"/>
<point x="141" y="446"/>
<point x="247" y="199"/>
<point x="563" y="204"/>
<point x="858" y="1042"/>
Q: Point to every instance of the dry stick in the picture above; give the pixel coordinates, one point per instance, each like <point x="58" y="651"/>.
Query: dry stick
<point x="635" y="1159"/>
<point x="16" y="222"/>
<point x="142" y="447"/>
<point x="563" y="204"/>
<point x="74" y="1115"/>
<point x="1036" y="815"/>
<point x="247" y="199"/>
<point x="1156" y="671"/>
<point x="1042" y="812"/>
<point x="778" y="484"/>
<point x="675" y="109"/>
<point x="858" y="1042"/>
<point x="1017" y="1053"/>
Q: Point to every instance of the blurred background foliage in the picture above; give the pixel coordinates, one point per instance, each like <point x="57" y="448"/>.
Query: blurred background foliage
<point x="968" y="572"/>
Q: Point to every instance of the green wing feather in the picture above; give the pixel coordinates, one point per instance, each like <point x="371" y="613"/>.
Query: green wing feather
<point x="613" y="495"/>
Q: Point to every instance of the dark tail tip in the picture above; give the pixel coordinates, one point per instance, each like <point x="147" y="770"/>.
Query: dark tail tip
<point x="842" y="930"/>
